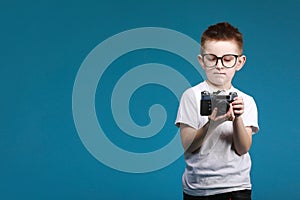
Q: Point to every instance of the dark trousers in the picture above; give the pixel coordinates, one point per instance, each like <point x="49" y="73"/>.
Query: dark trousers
<point x="236" y="195"/>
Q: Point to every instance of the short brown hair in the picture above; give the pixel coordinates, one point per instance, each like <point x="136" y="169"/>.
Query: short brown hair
<point x="222" y="31"/>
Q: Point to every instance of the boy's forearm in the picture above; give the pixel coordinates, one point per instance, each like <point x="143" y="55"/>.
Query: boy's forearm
<point x="192" y="144"/>
<point x="242" y="139"/>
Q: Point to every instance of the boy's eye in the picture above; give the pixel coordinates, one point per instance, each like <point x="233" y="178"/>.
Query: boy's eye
<point x="228" y="58"/>
<point x="211" y="57"/>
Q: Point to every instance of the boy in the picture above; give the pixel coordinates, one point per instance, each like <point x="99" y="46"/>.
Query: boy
<point x="216" y="146"/>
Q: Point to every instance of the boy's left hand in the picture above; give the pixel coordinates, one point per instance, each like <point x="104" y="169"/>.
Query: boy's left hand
<point x="238" y="106"/>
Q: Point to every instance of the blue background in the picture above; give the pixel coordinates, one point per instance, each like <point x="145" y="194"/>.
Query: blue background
<point x="43" y="44"/>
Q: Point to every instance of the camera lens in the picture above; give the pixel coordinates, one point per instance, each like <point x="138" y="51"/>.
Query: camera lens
<point x="222" y="106"/>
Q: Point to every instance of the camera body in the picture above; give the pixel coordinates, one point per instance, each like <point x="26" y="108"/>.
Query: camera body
<point x="210" y="101"/>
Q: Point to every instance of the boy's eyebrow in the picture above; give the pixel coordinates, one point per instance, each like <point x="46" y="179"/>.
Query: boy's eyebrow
<point x="238" y="54"/>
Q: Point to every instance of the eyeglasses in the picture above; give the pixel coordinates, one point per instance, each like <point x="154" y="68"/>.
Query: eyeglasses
<point x="227" y="60"/>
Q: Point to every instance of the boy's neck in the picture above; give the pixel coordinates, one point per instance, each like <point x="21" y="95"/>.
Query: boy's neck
<point x="216" y="87"/>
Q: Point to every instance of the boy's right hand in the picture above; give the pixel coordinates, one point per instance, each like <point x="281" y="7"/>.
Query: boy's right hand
<point x="229" y="116"/>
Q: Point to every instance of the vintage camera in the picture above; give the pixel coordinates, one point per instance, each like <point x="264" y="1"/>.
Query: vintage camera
<point x="210" y="101"/>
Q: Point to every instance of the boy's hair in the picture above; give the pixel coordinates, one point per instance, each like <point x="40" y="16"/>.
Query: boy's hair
<point x="222" y="31"/>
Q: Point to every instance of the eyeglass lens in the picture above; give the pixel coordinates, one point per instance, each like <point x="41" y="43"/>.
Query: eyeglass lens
<point x="211" y="60"/>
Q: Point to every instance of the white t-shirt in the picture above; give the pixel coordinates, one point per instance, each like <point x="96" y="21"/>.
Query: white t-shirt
<point x="216" y="168"/>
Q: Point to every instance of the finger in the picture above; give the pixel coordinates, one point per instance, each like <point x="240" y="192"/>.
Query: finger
<point x="230" y="118"/>
<point x="214" y="113"/>
<point x="221" y="118"/>
<point x="230" y="113"/>
<point x="238" y="107"/>
<point x="225" y="117"/>
<point x="238" y="112"/>
<point x="215" y="117"/>
<point x="238" y="98"/>
<point x="238" y="102"/>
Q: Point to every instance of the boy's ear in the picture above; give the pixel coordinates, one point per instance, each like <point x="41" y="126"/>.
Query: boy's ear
<point x="200" y="60"/>
<point x="240" y="62"/>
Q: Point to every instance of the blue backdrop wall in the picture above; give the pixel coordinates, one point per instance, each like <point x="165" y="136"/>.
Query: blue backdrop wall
<point x="43" y="46"/>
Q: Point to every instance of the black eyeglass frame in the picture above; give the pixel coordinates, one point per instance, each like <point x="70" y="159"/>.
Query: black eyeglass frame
<point x="221" y="58"/>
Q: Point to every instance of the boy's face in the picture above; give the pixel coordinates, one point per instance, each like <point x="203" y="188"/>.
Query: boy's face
<point x="218" y="75"/>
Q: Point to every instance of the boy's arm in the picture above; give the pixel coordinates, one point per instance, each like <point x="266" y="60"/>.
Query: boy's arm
<point x="191" y="138"/>
<point x="242" y="136"/>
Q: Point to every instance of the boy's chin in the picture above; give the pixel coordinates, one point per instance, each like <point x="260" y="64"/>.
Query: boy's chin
<point x="220" y="83"/>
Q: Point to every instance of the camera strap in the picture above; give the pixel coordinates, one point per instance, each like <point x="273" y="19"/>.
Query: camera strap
<point x="220" y="92"/>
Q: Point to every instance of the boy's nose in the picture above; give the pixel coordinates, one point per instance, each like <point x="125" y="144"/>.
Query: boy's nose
<point x="219" y="64"/>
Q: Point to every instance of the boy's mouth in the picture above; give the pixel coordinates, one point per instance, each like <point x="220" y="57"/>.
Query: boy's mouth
<point x="219" y="73"/>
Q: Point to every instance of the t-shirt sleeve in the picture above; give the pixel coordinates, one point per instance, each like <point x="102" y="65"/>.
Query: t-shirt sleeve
<point x="188" y="110"/>
<point x="250" y="116"/>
